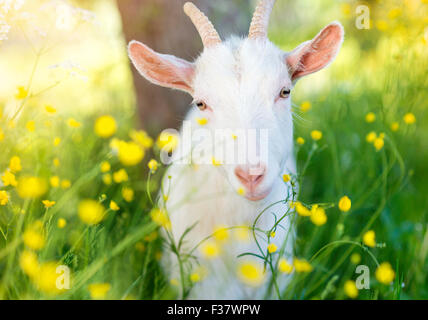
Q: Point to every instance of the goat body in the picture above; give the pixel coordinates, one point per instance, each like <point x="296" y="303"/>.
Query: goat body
<point x="242" y="88"/>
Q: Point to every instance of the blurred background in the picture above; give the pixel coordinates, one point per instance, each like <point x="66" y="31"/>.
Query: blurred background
<point x="90" y="46"/>
<point x="72" y="55"/>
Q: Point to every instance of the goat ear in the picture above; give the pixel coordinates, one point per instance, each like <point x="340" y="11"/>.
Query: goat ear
<point x="162" y="69"/>
<point x="313" y="55"/>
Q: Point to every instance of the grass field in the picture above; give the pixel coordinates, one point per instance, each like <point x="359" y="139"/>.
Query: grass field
<point x="69" y="135"/>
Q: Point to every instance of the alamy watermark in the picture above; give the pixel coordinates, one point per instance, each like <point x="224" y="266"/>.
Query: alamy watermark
<point x="363" y="280"/>
<point x="363" y="17"/>
<point x="63" y="280"/>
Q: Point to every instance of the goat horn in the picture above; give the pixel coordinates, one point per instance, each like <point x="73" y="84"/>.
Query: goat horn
<point x="260" y="21"/>
<point x="204" y="26"/>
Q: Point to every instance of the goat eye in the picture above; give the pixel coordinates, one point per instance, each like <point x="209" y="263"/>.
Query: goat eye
<point x="201" y="105"/>
<point x="284" y="93"/>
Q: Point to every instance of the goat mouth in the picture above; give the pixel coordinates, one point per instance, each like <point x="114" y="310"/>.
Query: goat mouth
<point x="257" y="196"/>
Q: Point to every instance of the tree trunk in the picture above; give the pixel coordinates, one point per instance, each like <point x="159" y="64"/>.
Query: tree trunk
<point x="163" y="26"/>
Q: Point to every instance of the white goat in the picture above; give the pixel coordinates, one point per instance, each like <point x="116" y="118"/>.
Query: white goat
<point x="237" y="85"/>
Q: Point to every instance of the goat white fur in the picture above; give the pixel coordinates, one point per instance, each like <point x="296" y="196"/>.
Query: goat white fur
<point x="239" y="84"/>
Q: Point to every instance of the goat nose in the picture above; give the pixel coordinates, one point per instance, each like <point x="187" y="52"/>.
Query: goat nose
<point x="250" y="177"/>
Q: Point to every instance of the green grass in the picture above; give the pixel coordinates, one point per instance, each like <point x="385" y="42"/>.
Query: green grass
<point x="383" y="73"/>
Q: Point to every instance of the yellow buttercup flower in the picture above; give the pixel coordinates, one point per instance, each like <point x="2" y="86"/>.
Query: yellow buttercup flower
<point x="221" y="233"/>
<point x="99" y="291"/>
<point x="316" y="135"/>
<point x="61" y="223"/>
<point x="371" y="137"/>
<point x="318" y="216"/>
<point x="195" y="277"/>
<point x="369" y="238"/>
<point x="384" y="273"/>
<point x="50" y="109"/>
<point x="394" y="13"/>
<point x="105" y="126"/>
<point x="91" y="212"/>
<point x="382" y="25"/>
<point x="370" y="117"/>
<point x="305" y="106"/>
<point x="120" y="176"/>
<point x="105" y="166"/>
<point x="1" y="135"/>
<point x="409" y="118"/>
<point x="284" y="266"/>
<point x="395" y="126"/>
<point x="351" y="289"/>
<point x="142" y="138"/>
<point x="272" y="248"/>
<point x="242" y="234"/>
<point x="29" y="263"/>
<point x="202" y="121"/>
<point x="160" y="217"/>
<point x="209" y="249"/>
<point x="4" y="198"/>
<point x="286" y="177"/>
<point x="114" y="206"/>
<point x="31" y="187"/>
<point x="302" y="265"/>
<point x="48" y="204"/>
<point x="174" y="282"/>
<point x="167" y="141"/>
<point x="215" y="162"/>
<point x="56" y="162"/>
<point x="57" y="141"/>
<point x="355" y="258"/>
<point x="378" y="143"/>
<point x="107" y="179"/>
<point x="15" y="164"/>
<point x="130" y="153"/>
<point x="153" y="165"/>
<point x="65" y="184"/>
<point x="346" y="9"/>
<point x="241" y="191"/>
<point x="33" y="238"/>
<point x="54" y="181"/>
<point x="251" y="273"/>
<point x="345" y="204"/>
<point x="128" y="194"/>
<point x="21" y="94"/>
<point x="31" y="126"/>
<point x="73" y="123"/>
<point x="302" y="210"/>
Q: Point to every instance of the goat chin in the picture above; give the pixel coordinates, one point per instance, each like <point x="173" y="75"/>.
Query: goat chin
<point x="258" y="196"/>
<point x="204" y="198"/>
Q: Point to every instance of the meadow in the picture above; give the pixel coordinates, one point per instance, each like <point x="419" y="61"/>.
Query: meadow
<point x="79" y="178"/>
